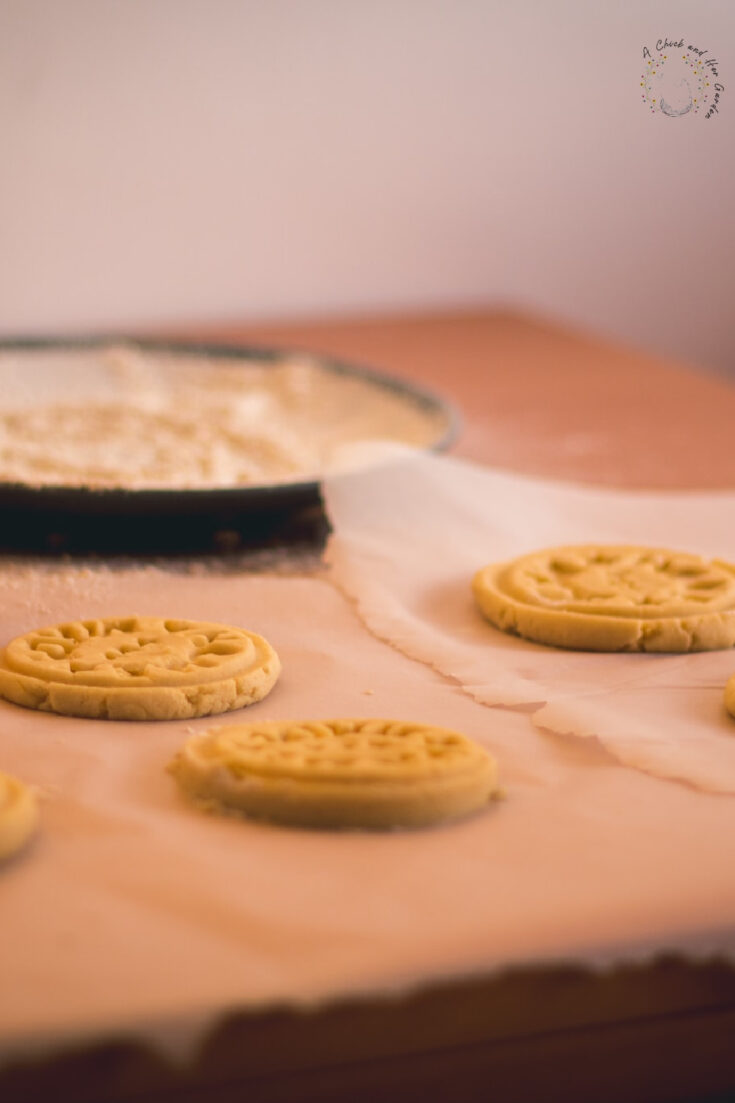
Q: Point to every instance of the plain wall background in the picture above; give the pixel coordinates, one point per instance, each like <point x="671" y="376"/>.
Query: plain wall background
<point x="192" y="160"/>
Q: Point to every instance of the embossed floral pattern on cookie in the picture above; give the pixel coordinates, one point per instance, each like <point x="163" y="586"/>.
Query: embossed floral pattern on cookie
<point x="138" y="668"/>
<point x="612" y="598"/>
<point x="338" y="773"/>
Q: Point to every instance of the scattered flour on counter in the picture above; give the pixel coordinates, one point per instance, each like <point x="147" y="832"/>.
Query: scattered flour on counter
<point x="31" y="591"/>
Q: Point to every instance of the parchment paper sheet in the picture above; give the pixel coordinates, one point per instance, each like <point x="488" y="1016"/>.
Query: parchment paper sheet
<point x="410" y="536"/>
<point x="135" y="914"/>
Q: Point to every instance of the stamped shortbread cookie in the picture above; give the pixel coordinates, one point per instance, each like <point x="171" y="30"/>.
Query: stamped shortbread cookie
<point x="616" y="598"/>
<point x="338" y="773"/>
<point x="138" y="668"/>
<point x="18" y="815"/>
<point x="730" y="696"/>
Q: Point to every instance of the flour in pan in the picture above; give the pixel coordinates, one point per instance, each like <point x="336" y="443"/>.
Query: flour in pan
<point x="123" y="417"/>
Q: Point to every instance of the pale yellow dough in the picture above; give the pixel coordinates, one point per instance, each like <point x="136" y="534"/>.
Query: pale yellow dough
<point x="138" y="668"/>
<point x="357" y="773"/>
<point x="730" y="695"/>
<point x="612" y="598"/>
<point x="18" y="815"/>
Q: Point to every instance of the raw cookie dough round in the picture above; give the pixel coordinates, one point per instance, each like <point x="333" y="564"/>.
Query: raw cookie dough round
<point x="612" y="598"/>
<point x="338" y="773"/>
<point x="138" y="668"/>
<point x="730" y="695"/>
<point x="18" y="815"/>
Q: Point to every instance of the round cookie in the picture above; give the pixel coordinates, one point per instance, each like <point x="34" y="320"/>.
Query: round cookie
<point x="730" y="695"/>
<point x="18" y="815"/>
<point x="338" y="773"/>
<point x="612" y="598"/>
<point x="138" y="668"/>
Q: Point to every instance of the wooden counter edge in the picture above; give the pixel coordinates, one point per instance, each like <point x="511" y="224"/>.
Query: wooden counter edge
<point x="644" y="1034"/>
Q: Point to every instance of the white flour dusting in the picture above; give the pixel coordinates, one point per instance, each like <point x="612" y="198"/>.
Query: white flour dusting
<point x="129" y="418"/>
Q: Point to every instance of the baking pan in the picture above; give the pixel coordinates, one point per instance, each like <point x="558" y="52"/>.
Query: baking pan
<point x="56" y="519"/>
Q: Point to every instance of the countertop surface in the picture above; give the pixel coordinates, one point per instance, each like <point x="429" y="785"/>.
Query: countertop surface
<point x="538" y="400"/>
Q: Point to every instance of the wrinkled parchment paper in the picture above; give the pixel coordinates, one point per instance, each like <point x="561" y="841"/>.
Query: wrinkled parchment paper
<point x="134" y="914"/>
<point x="410" y="536"/>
